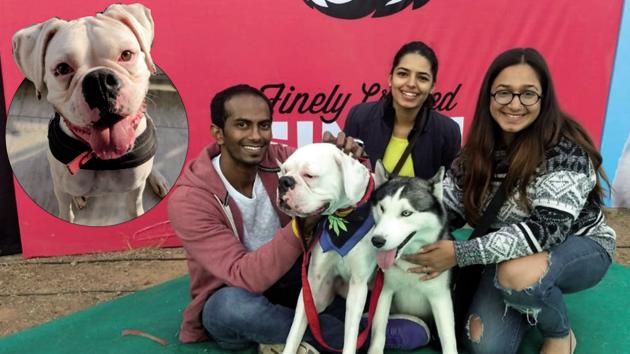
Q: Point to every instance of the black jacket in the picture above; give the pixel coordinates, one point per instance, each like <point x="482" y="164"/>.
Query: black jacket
<point x="438" y="144"/>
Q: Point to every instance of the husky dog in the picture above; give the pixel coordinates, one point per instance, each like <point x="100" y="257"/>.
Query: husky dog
<point x="408" y="214"/>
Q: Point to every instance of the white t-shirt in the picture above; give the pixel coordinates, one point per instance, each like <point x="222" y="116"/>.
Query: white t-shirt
<point x="260" y="220"/>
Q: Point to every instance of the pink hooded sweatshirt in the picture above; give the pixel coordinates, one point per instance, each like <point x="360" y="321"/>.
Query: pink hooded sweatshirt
<point x="199" y="211"/>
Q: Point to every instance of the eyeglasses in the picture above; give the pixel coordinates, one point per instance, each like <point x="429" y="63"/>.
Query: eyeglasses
<point x="527" y="98"/>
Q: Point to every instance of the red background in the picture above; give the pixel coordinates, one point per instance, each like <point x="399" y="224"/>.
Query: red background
<point x="204" y="46"/>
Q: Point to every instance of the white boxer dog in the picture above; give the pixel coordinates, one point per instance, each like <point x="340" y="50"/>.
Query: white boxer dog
<point x="95" y="72"/>
<point x="321" y="179"/>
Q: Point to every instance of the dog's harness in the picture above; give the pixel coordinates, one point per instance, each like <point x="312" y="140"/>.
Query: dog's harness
<point x="307" y="294"/>
<point x="77" y="154"/>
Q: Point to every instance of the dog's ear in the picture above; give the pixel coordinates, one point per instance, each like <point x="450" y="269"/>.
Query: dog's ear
<point x="138" y="19"/>
<point x="279" y="164"/>
<point x="355" y="177"/>
<point x="437" y="183"/>
<point x="380" y="174"/>
<point x="29" y="50"/>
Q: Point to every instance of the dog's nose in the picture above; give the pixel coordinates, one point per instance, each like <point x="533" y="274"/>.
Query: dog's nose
<point x="378" y="241"/>
<point x="286" y="183"/>
<point x="100" y="89"/>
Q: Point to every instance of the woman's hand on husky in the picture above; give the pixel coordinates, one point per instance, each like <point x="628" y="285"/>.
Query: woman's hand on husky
<point x="433" y="259"/>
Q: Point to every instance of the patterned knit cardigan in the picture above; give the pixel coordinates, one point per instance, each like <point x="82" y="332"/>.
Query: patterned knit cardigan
<point x="559" y="207"/>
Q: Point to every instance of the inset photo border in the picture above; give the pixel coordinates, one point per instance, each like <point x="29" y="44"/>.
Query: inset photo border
<point x="27" y="148"/>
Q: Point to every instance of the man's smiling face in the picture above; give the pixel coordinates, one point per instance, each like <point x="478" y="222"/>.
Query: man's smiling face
<point x="247" y="131"/>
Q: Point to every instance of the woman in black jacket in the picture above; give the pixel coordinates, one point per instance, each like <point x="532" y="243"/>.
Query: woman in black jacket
<point x="389" y="125"/>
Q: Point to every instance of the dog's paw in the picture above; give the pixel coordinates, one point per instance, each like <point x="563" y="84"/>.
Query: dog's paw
<point x="158" y="183"/>
<point x="79" y="202"/>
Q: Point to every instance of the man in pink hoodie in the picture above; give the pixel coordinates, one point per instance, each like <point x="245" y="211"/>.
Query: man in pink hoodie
<point x="238" y="243"/>
<point x="241" y="250"/>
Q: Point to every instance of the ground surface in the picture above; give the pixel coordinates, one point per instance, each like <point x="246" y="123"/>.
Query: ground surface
<point x="38" y="290"/>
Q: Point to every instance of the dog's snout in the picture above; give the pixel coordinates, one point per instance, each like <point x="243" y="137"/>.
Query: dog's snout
<point x="286" y="183"/>
<point x="100" y="89"/>
<point x="378" y="241"/>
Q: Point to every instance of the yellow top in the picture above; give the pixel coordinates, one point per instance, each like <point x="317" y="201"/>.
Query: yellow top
<point x="393" y="152"/>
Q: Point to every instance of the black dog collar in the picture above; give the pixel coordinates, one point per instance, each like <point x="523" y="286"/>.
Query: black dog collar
<point x="65" y="148"/>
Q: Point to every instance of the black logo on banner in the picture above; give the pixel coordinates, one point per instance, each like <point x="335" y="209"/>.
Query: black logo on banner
<point x="354" y="9"/>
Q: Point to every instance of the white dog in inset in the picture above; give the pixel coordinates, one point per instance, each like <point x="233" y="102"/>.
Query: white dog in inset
<point x="321" y="179"/>
<point x="95" y="72"/>
<point x="409" y="214"/>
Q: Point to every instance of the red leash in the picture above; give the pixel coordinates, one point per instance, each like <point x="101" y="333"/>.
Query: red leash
<point x="311" y="311"/>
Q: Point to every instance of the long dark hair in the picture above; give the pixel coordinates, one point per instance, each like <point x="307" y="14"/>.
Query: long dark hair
<point x="424" y="50"/>
<point x="527" y="151"/>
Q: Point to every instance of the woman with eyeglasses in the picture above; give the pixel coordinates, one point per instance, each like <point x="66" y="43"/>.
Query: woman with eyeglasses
<point x="549" y="237"/>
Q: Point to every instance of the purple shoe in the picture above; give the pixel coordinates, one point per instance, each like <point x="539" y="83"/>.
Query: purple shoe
<point x="405" y="332"/>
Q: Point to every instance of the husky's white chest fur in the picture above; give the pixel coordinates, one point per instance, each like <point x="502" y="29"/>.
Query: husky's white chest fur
<point x="410" y="295"/>
<point x="409" y="214"/>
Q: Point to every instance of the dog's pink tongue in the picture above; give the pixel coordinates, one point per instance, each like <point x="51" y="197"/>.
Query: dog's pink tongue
<point x="385" y="259"/>
<point x="113" y="142"/>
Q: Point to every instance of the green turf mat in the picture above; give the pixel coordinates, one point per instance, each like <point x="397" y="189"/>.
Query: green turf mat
<point x="599" y="318"/>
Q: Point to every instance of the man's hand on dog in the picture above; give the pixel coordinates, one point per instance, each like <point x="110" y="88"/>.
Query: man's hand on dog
<point x="433" y="259"/>
<point x="347" y="144"/>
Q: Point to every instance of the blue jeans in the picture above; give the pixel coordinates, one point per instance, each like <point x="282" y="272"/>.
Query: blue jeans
<point x="576" y="264"/>
<point x="237" y="319"/>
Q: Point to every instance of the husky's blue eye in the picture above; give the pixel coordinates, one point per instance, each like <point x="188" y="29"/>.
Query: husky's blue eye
<point x="406" y="213"/>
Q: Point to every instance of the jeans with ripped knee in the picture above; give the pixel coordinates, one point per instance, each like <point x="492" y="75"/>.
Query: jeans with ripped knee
<point x="505" y="314"/>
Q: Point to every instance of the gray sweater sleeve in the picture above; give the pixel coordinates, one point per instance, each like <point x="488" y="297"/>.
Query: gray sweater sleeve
<point x="556" y="198"/>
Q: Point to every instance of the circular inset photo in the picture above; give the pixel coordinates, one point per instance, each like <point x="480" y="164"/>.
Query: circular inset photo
<point x="94" y="165"/>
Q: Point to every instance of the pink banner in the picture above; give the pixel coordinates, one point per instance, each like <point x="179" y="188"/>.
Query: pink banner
<point x="315" y="67"/>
